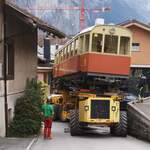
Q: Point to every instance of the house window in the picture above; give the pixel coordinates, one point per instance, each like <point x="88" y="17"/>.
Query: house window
<point x="10" y="60"/>
<point x="135" y="47"/>
<point x="10" y="115"/>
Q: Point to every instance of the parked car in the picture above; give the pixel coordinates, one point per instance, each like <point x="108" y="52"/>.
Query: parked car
<point x="147" y="94"/>
<point x="127" y="97"/>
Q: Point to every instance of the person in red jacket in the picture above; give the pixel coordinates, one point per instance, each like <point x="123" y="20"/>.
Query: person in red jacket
<point x="48" y="112"/>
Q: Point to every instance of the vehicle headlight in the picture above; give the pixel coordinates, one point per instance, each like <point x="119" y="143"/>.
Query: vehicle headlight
<point x="86" y="108"/>
<point x="113" y="108"/>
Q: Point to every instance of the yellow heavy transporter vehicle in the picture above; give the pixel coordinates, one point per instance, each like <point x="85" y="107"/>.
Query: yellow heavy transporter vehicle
<point x="88" y="72"/>
<point x="83" y="109"/>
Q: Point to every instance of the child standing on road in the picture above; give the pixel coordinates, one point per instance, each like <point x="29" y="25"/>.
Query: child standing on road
<point x="48" y="112"/>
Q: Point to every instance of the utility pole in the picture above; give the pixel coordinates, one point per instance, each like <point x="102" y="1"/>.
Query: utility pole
<point x="5" y="68"/>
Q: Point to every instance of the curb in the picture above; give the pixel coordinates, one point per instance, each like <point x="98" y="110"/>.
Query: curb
<point x="31" y="143"/>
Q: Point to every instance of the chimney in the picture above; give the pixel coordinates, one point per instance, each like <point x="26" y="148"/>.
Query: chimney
<point x="47" y="50"/>
<point x="57" y="46"/>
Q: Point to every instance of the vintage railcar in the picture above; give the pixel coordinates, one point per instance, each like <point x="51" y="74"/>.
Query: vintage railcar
<point x="89" y="72"/>
<point x="100" y="50"/>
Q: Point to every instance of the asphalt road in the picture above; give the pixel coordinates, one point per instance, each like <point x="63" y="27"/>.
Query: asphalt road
<point x="90" y="141"/>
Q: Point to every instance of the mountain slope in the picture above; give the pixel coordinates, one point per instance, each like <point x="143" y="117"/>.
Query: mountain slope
<point x="68" y="21"/>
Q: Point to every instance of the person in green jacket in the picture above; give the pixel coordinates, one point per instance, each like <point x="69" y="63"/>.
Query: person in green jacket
<point x="48" y="112"/>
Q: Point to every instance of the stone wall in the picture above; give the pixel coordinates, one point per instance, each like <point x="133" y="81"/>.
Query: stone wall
<point x="138" y="123"/>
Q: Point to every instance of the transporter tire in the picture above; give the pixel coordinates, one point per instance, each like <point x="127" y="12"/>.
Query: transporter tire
<point x="120" y="129"/>
<point x="74" y="123"/>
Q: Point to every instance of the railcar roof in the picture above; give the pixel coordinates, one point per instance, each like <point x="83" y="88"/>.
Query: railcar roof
<point x="105" y="25"/>
<point x="89" y="29"/>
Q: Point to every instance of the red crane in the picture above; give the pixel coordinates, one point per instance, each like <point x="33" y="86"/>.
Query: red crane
<point x="82" y="10"/>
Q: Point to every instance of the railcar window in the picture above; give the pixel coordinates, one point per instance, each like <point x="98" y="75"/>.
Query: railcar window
<point x="70" y="53"/>
<point x="87" y="40"/>
<point x="64" y="54"/>
<point x="58" y="57"/>
<point x="69" y="47"/>
<point x="111" y="44"/>
<point x="97" y="42"/>
<point x="61" y="56"/>
<point x="81" y="44"/>
<point x="124" y="45"/>
<point x="56" y="60"/>
<point x="72" y="48"/>
<point x="76" y="45"/>
<point x="67" y="52"/>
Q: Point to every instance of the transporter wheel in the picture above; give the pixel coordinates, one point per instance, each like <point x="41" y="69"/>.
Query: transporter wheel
<point x="120" y="129"/>
<point x="74" y="123"/>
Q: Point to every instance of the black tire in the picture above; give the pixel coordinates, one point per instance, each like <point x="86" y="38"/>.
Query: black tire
<point x="74" y="123"/>
<point x="120" y="129"/>
<point x="56" y="112"/>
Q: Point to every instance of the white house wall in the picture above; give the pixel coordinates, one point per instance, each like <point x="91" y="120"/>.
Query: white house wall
<point x="25" y="43"/>
<point x="2" y="116"/>
<point x="2" y="110"/>
<point x="25" y="68"/>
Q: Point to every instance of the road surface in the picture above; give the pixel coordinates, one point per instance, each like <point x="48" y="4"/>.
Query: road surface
<point x="92" y="141"/>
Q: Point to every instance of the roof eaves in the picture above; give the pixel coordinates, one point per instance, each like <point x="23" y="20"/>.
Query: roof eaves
<point x="40" y="24"/>
<point x="139" y="24"/>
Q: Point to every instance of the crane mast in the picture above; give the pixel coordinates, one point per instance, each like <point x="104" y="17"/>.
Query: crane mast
<point x="81" y="8"/>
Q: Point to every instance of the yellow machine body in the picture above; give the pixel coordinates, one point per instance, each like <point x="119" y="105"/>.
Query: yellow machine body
<point x="99" y="110"/>
<point x="55" y="98"/>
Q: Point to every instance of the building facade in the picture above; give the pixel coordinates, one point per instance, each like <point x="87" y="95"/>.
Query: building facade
<point x="140" y="60"/>
<point x="20" y="36"/>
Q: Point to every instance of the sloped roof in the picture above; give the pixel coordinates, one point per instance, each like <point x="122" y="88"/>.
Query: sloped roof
<point x="34" y="21"/>
<point x="137" y="23"/>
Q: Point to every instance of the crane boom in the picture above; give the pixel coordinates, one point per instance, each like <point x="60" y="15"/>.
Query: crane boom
<point x="82" y="10"/>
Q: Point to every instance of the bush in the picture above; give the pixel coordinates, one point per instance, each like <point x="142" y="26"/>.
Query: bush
<point x="27" y="119"/>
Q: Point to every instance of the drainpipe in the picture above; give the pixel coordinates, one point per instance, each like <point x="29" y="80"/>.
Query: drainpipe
<point x="5" y="70"/>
